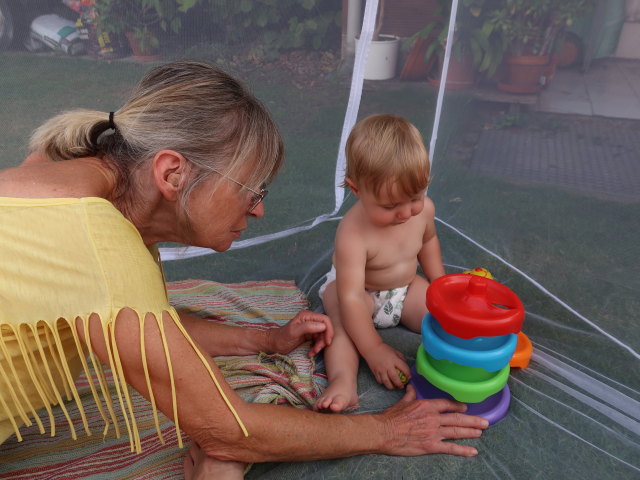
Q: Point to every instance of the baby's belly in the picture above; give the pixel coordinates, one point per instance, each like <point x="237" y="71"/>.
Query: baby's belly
<point x="391" y="277"/>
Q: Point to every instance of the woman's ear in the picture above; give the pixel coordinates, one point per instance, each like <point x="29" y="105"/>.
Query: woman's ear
<point x="169" y="173"/>
<point x="352" y="186"/>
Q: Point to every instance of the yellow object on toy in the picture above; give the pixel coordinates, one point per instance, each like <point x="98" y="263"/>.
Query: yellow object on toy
<point x="403" y="377"/>
<point x="480" y="272"/>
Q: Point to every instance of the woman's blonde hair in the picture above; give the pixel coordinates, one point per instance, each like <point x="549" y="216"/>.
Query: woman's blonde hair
<point x="383" y="149"/>
<point x="194" y="108"/>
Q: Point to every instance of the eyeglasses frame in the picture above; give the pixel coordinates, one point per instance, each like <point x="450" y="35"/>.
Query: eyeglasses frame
<point x="257" y="197"/>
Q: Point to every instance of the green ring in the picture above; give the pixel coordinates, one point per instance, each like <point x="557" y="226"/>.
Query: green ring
<point x="465" y="384"/>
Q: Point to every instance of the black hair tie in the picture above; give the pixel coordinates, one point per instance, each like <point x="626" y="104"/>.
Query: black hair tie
<point x="112" y="125"/>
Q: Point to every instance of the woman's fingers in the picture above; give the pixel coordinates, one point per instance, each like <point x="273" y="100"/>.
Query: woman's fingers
<point x="409" y="396"/>
<point x="460" y="432"/>
<point x="458" y="419"/>
<point x="444" y="405"/>
<point x="318" y="344"/>
<point x="455" y="449"/>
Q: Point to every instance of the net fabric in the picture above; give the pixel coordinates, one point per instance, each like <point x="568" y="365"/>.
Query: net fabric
<point x="538" y="199"/>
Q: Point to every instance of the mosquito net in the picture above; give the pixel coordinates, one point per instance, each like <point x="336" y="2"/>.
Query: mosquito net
<point x="539" y="187"/>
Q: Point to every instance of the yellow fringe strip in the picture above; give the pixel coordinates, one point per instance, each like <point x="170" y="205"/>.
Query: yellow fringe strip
<point x="50" y="343"/>
<point x="106" y="395"/>
<point x="174" y="400"/>
<point x="56" y="393"/>
<point x="85" y="367"/>
<point x="106" y="331"/>
<point x="27" y="359"/>
<point x="136" y="445"/>
<point x="68" y="379"/>
<point x="149" y="388"/>
<point x="25" y="398"/>
<point x="18" y="404"/>
<point x="6" y="407"/>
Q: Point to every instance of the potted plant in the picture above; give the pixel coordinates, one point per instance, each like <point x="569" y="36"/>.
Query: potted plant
<point x="533" y="29"/>
<point x="140" y="21"/>
<point x="476" y="51"/>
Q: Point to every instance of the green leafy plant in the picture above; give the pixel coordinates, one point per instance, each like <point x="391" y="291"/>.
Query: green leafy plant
<point x="145" y="19"/>
<point x="474" y="34"/>
<point x="533" y="27"/>
<point x="271" y="26"/>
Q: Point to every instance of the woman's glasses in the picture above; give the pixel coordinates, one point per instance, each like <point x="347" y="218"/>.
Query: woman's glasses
<point x="256" y="198"/>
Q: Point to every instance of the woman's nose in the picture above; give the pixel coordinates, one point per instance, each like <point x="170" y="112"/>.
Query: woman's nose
<point x="258" y="211"/>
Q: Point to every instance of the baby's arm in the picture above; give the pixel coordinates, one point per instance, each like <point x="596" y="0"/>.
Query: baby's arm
<point x="356" y="308"/>
<point x="430" y="256"/>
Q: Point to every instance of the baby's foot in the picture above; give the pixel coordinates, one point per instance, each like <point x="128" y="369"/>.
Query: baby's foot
<point x="337" y="397"/>
<point x="197" y="466"/>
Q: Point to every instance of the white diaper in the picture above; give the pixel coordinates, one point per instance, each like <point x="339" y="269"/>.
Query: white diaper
<point x="387" y="304"/>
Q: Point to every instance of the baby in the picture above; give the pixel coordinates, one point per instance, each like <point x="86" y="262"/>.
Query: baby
<point x="374" y="282"/>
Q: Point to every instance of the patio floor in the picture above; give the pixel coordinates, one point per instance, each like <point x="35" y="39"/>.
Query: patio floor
<point x="592" y="148"/>
<point x="610" y="88"/>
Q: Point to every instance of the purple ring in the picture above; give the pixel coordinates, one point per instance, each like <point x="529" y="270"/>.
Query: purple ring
<point x="493" y="408"/>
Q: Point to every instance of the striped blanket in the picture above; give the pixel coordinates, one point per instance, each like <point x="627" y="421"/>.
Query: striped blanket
<point x="264" y="378"/>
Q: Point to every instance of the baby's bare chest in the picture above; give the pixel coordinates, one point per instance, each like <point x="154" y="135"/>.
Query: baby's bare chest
<point x="401" y="245"/>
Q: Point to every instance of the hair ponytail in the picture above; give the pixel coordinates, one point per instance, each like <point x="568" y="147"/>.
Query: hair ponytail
<point x="71" y="134"/>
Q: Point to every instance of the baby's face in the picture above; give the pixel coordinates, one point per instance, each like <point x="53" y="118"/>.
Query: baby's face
<point x="391" y="206"/>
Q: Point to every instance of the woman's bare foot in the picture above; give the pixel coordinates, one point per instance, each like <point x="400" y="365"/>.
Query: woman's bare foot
<point x="340" y="395"/>
<point x="197" y="466"/>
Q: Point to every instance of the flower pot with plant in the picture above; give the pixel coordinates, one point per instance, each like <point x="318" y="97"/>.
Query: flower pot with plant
<point x="533" y="30"/>
<point x="141" y="21"/>
<point x="476" y="51"/>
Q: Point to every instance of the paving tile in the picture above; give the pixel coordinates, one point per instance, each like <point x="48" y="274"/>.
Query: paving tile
<point x="610" y="88"/>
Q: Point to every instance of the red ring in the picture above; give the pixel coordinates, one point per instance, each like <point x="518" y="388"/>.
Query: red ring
<point x="469" y="306"/>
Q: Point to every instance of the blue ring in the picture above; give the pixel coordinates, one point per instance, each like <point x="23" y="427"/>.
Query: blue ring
<point x="489" y="353"/>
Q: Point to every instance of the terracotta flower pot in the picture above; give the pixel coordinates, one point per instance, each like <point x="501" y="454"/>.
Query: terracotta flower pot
<point x="146" y="54"/>
<point x="526" y="74"/>
<point x="461" y="73"/>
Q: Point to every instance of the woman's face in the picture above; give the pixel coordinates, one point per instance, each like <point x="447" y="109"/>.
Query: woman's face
<point x="218" y="211"/>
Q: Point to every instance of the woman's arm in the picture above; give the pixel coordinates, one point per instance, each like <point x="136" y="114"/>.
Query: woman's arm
<point x="275" y="433"/>
<point x="217" y="339"/>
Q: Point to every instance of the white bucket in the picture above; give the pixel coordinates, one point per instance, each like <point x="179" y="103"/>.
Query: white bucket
<point x="382" y="59"/>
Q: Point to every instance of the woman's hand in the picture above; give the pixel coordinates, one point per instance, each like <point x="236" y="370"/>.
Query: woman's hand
<point x="306" y="325"/>
<point x="419" y="427"/>
<point x="386" y="362"/>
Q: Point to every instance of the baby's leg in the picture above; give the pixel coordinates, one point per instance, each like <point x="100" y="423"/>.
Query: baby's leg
<point x="341" y="360"/>
<point x="197" y="466"/>
<point x="415" y="304"/>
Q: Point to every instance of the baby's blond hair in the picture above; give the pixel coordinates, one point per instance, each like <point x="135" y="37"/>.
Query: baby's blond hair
<point x="383" y="149"/>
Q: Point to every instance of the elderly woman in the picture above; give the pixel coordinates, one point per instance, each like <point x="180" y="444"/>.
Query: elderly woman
<point x="186" y="159"/>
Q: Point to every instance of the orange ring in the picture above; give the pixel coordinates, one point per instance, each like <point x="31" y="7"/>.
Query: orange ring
<point x="522" y="353"/>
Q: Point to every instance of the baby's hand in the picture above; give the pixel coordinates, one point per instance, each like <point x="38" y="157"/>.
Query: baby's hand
<point x="387" y="363"/>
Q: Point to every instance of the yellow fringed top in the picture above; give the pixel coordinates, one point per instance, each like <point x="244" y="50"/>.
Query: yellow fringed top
<point x="62" y="259"/>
